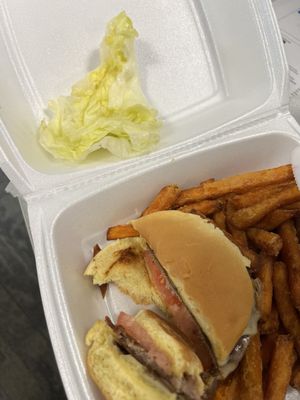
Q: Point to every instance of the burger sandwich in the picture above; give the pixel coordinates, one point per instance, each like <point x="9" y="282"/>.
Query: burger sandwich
<point x="196" y="276"/>
<point x="143" y="357"/>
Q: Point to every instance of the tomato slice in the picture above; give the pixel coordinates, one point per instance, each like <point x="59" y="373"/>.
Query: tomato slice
<point x="142" y="337"/>
<point x="181" y="316"/>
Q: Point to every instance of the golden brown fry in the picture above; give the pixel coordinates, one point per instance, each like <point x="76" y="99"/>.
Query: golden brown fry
<point x="229" y="388"/>
<point x="251" y="254"/>
<point x="205" y="207"/>
<point x="291" y="256"/>
<point x="251" y="372"/>
<point x="293" y="206"/>
<point x="236" y="184"/>
<point x="280" y="370"/>
<point x="238" y="235"/>
<point x="250" y="216"/>
<point x="271" y="324"/>
<point x="275" y="218"/>
<point x="297" y="226"/>
<point x="269" y="242"/>
<point x="286" y="310"/>
<point x="255" y="196"/>
<point x="267" y="347"/>
<point x="120" y="232"/>
<point x="264" y="273"/>
<point x="295" y="378"/>
<point x="164" y="200"/>
<point x="220" y="220"/>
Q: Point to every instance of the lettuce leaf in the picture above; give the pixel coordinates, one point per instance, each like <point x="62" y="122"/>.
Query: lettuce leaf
<point x="107" y="109"/>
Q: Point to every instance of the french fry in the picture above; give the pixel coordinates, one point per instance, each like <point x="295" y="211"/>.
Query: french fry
<point x="220" y="220"/>
<point x="255" y="196"/>
<point x="264" y="273"/>
<point x="250" y="216"/>
<point x="280" y="369"/>
<point x="249" y="253"/>
<point x="269" y="242"/>
<point x="229" y="388"/>
<point x="291" y="256"/>
<point x="164" y="200"/>
<point x="251" y="371"/>
<point x="205" y="207"/>
<point x="297" y="226"/>
<point x="295" y="378"/>
<point x="120" y="232"/>
<point x="286" y="310"/>
<point x="275" y="218"/>
<point x="293" y="206"/>
<point x="271" y="324"/>
<point x="267" y="347"/>
<point x="236" y="184"/>
<point x="238" y="235"/>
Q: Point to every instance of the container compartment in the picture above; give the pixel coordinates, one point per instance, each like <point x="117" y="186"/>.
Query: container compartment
<point x="197" y="60"/>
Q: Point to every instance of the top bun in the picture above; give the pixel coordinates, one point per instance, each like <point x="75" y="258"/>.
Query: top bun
<point x="208" y="271"/>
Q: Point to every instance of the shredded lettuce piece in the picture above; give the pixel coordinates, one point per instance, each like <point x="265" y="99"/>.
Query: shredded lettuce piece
<point x="107" y="109"/>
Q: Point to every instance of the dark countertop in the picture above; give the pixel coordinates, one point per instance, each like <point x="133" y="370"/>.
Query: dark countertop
<point x="28" y="369"/>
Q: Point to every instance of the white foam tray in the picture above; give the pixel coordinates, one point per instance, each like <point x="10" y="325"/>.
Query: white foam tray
<point x="216" y="71"/>
<point x="64" y="237"/>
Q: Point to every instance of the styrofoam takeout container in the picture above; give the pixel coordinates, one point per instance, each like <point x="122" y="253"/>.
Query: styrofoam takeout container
<point x="216" y="71"/>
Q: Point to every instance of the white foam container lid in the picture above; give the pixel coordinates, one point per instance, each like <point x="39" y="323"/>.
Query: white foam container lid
<point x="216" y="71"/>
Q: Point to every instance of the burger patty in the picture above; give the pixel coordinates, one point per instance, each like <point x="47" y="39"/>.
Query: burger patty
<point x="182" y="318"/>
<point x="185" y="386"/>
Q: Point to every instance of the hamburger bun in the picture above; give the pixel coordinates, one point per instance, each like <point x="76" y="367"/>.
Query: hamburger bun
<point x="122" y="262"/>
<point x="208" y="271"/>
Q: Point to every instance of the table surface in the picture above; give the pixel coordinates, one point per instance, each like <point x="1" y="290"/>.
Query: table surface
<point x="28" y="369"/>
